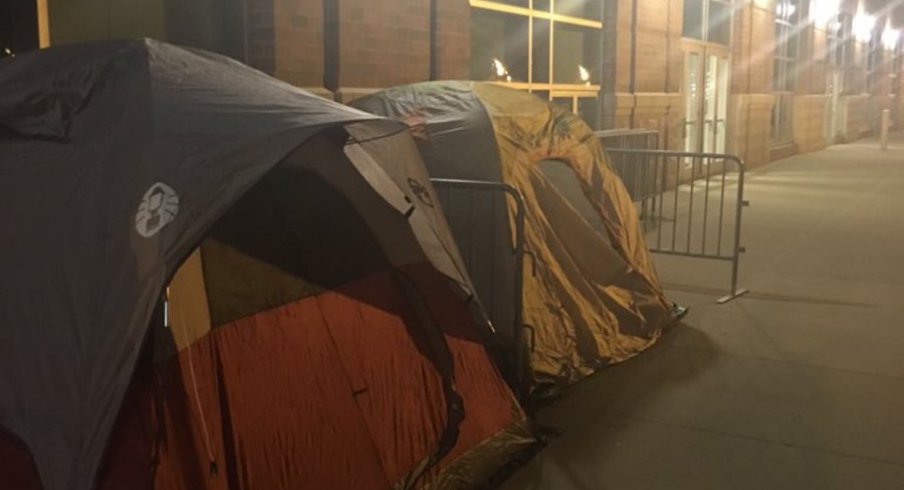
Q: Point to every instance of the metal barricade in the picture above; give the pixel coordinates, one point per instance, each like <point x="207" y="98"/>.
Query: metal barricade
<point x="638" y="139"/>
<point x="635" y="174"/>
<point x="693" y="202"/>
<point x="478" y="215"/>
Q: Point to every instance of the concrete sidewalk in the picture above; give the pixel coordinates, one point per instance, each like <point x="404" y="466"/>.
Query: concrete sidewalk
<point x="799" y="385"/>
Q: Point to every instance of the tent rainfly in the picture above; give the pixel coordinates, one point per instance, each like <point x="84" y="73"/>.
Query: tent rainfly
<point x="591" y="293"/>
<point x="318" y="332"/>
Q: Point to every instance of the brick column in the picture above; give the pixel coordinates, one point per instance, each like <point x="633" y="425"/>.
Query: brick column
<point x="259" y="29"/>
<point x="751" y="82"/>
<point x="299" y="43"/>
<point x="451" y="51"/>
<point x="381" y="44"/>
<point x="286" y="40"/>
<point x="650" y="96"/>
<point x="810" y="99"/>
<point x="616" y="100"/>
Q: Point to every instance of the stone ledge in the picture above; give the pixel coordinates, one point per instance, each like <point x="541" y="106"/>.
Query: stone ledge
<point x="657" y="99"/>
<point x="349" y="94"/>
<point x="822" y="97"/>
<point x="783" y="151"/>
<point x="763" y="101"/>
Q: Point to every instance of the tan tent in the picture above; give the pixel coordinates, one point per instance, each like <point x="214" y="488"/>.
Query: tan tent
<point x="591" y="294"/>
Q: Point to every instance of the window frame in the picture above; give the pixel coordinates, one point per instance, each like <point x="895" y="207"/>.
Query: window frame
<point x="705" y="26"/>
<point x="875" y="56"/>
<point x="840" y="40"/>
<point x="786" y="55"/>
<point x="533" y="15"/>
<point x="550" y="89"/>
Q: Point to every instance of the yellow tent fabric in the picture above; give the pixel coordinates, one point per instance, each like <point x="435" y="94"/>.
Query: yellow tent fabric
<point x="588" y="303"/>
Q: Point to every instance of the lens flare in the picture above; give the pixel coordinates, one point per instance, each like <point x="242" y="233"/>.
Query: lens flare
<point x="584" y="73"/>
<point x="890" y="37"/>
<point x="863" y="27"/>
<point x="501" y="71"/>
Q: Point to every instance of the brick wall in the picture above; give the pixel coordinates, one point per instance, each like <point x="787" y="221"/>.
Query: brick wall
<point x="813" y="73"/>
<point x="382" y="44"/>
<point x="655" y="102"/>
<point x="452" y="48"/>
<point x="749" y="128"/>
<point x="856" y="122"/>
<point x="809" y="116"/>
<point x="754" y="31"/>
<point x="298" y="42"/>
<point x="260" y="29"/>
<point x="897" y="114"/>
<point x="90" y="20"/>
<point x="658" y="45"/>
<point x="615" y="67"/>
<point x="349" y="48"/>
<point x="353" y="47"/>
<point x="662" y="112"/>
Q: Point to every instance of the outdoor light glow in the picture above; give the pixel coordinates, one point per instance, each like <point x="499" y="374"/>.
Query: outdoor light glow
<point x="824" y="12"/>
<point x="834" y="26"/>
<point x="584" y="74"/>
<point x="863" y="27"/>
<point x="500" y="70"/>
<point x="784" y="10"/>
<point x="890" y="37"/>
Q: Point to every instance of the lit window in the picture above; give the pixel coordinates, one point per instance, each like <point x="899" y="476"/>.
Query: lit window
<point x="784" y="68"/>
<point x="551" y="48"/>
<point x="708" y="20"/>
<point x="896" y="68"/>
<point x="840" y="50"/>
<point x="874" y="56"/>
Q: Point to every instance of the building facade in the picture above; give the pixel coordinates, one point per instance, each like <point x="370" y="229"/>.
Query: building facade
<point x="760" y="78"/>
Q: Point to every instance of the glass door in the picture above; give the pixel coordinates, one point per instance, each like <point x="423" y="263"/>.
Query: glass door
<point x="706" y="100"/>
<point x="692" y="101"/>
<point x="716" y="102"/>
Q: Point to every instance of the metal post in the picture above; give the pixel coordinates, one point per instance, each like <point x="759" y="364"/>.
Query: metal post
<point x="883" y="134"/>
<point x="738" y="249"/>
<point x="518" y="357"/>
<point x="521" y="362"/>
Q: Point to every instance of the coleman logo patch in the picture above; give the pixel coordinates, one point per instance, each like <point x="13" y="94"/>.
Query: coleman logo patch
<point x="158" y="208"/>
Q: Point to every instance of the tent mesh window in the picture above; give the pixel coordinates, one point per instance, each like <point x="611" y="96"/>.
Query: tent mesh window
<point x="562" y="177"/>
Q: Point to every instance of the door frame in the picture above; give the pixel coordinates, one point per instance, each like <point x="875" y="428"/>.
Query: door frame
<point x="834" y="114"/>
<point x="703" y="51"/>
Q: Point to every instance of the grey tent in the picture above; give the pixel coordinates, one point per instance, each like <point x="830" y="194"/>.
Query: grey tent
<point x="591" y="293"/>
<point x="321" y="330"/>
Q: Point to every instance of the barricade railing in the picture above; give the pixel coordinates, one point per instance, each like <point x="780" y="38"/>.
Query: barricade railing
<point x="637" y="138"/>
<point x="635" y="175"/>
<point x="478" y="215"/>
<point x="691" y="204"/>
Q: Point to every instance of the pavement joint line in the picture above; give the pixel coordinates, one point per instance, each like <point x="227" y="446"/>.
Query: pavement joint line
<point x="761" y="295"/>
<point x="757" y="439"/>
<point x="783" y="361"/>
